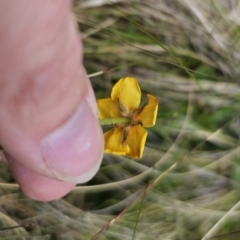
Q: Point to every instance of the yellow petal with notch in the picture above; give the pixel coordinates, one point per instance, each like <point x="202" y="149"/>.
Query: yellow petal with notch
<point x="113" y="142"/>
<point x="107" y="108"/>
<point x="128" y="92"/>
<point x="136" y="141"/>
<point x="149" y="113"/>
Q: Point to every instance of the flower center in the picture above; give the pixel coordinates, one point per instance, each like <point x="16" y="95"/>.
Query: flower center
<point x="131" y="115"/>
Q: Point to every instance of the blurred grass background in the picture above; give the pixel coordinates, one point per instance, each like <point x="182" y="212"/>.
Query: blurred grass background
<point x="187" y="185"/>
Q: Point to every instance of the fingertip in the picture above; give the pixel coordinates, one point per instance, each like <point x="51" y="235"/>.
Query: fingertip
<point x="36" y="186"/>
<point x="74" y="151"/>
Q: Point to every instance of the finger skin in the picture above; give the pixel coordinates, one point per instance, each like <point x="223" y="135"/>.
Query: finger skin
<point x="37" y="186"/>
<point x="42" y="85"/>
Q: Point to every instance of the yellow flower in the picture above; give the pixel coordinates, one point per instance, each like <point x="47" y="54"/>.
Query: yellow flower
<point x="127" y="138"/>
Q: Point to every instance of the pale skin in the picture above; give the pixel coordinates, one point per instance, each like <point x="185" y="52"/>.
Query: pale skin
<point x="45" y="94"/>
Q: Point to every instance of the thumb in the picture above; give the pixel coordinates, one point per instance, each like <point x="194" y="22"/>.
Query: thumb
<point x="48" y="116"/>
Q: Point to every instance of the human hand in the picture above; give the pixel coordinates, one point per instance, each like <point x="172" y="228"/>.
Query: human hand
<point x="48" y="116"/>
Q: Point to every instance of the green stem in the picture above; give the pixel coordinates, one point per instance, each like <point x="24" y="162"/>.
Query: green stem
<point x="111" y="121"/>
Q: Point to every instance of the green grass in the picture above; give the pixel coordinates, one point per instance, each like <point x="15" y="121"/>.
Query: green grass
<point x="186" y="186"/>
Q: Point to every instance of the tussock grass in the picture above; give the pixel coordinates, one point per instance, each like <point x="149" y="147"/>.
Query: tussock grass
<point x="187" y="184"/>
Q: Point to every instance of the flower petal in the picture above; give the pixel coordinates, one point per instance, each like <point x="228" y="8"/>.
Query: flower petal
<point x="107" y="108"/>
<point x="128" y="92"/>
<point x="136" y="141"/>
<point x="113" y="142"/>
<point x="149" y="113"/>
